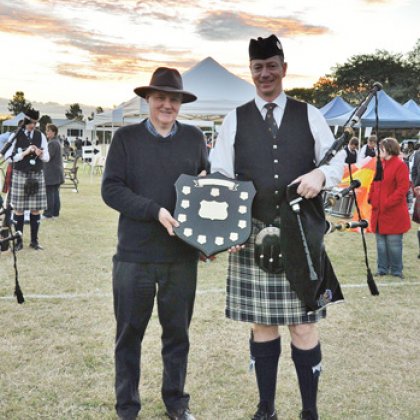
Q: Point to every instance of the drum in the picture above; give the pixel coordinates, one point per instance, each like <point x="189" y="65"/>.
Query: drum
<point x="342" y="207"/>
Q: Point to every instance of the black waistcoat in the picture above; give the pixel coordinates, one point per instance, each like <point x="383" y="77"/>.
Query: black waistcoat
<point x="23" y="142"/>
<point x="272" y="165"/>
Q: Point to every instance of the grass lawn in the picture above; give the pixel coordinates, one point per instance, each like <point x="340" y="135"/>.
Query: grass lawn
<point x="56" y="350"/>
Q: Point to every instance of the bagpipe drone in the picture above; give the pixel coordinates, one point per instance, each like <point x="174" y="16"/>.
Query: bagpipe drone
<point x="296" y="202"/>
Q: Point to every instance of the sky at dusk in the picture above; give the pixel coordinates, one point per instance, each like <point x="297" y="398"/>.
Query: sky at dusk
<point x="95" y="52"/>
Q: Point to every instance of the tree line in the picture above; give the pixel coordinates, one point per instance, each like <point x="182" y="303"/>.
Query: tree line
<point x="398" y="74"/>
<point x="19" y="104"/>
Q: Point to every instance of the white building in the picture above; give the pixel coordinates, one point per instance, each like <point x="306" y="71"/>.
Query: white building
<point x="70" y="129"/>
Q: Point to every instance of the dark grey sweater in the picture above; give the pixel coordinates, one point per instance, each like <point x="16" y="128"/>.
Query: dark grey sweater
<point x="139" y="177"/>
<point x="53" y="169"/>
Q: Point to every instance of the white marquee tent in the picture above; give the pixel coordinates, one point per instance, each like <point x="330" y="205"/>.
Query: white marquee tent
<point x="218" y="92"/>
<point x="13" y="122"/>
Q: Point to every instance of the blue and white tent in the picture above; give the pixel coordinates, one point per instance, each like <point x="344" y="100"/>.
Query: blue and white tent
<point x="391" y="115"/>
<point x="412" y="106"/>
<point x="336" y="107"/>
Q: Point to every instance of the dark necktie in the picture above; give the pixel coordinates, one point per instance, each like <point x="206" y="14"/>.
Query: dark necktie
<point x="269" y="119"/>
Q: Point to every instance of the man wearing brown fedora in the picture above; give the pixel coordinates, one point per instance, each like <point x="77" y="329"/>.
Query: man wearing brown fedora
<point x="142" y="166"/>
<point x="275" y="141"/>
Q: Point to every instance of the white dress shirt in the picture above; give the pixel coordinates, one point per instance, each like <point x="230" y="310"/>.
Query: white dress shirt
<point x="222" y="156"/>
<point x="45" y="157"/>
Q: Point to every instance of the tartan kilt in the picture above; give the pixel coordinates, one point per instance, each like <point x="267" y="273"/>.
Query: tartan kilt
<point x="259" y="297"/>
<point x="22" y="202"/>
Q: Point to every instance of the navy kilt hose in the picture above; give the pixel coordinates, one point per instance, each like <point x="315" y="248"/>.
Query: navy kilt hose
<point x="19" y="200"/>
<point x="259" y="297"/>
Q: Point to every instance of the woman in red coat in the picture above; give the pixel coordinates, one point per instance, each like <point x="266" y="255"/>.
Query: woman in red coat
<point x="390" y="218"/>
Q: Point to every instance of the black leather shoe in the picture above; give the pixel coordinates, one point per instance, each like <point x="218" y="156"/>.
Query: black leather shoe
<point x="184" y="415"/>
<point x="19" y="246"/>
<point x="129" y="417"/>
<point x="263" y="414"/>
<point x="36" y="246"/>
<point x="308" y="415"/>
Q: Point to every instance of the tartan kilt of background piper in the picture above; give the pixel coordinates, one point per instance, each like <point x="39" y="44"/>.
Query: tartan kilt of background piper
<point x="19" y="200"/>
<point x="259" y="297"/>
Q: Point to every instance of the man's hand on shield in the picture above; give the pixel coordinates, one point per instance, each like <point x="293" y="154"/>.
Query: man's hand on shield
<point x="167" y="221"/>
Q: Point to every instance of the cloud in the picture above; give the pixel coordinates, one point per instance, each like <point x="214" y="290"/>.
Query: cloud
<point x="224" y="25"/>
<point x="161" y="9"/>
<point x="107" y="58"/>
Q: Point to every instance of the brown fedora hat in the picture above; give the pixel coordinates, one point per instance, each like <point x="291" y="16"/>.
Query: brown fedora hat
<point x="166" y="80"/>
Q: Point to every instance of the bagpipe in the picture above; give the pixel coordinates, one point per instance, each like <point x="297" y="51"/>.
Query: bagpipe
<point x="323" y="288"/>
<point x="8" y="235"/>
<point x="12" y="138"/>
<point x="8" y="238"/>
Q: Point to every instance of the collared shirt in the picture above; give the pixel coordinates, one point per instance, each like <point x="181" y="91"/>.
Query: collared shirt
<point x="45" y="157"/>
<point x="222" y="156"/>
<point x="152" y="130"/>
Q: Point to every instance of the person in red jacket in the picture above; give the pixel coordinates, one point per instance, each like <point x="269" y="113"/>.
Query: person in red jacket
<point x="390" y="218"/>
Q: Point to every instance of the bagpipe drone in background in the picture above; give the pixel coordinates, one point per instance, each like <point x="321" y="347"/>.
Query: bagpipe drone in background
<point x="8" y="238"/>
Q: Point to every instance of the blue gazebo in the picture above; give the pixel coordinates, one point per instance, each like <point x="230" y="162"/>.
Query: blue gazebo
<point x="391" y="115"/>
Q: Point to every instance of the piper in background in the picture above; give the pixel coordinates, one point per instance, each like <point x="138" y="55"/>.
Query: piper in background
<point x="28" y="152"/>
<point x="351" y="150"/>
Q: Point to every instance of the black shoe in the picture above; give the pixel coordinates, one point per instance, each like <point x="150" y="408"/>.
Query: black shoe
<point x="263" y="414"/>
<point x="36" y="246"/>
<point x="19" y="246"/>
<point x="378" y="274"/>
<point x="183" y="415"/>
<point x="308" y="415"/>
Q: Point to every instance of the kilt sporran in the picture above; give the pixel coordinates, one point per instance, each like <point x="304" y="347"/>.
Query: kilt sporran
<point x="31" y="186"/>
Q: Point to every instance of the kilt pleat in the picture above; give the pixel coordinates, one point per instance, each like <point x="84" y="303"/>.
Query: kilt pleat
<point x="22" y="202"/>
<point x="259" y="297"/>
